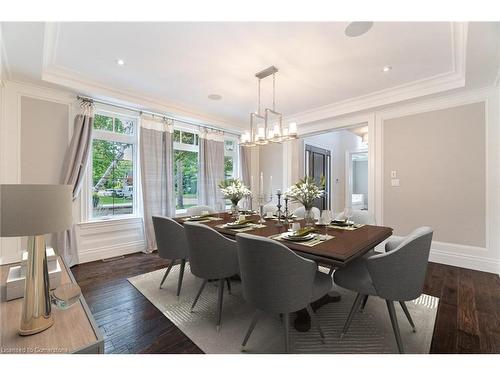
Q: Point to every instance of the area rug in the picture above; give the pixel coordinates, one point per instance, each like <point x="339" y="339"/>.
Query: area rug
<point x="370" y="331"/>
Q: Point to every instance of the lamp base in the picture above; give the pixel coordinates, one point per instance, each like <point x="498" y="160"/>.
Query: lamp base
<point x="38" y="324"/>
<point x="36" y="313"/>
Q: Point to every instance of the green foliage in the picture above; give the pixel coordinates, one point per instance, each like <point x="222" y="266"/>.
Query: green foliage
<point x="103" y="154"/>
<point x="228" y="167"/>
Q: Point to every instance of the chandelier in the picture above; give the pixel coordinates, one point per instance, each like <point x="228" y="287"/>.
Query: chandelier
<point x="267" y="127"/>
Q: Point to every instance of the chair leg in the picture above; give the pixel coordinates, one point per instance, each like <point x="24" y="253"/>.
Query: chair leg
<point x="286" y="325"/>
<point x="167" y="272"/>
<point x="219" y="310"/>
<point x="407" y="313"/>
<point x="395" y="326"/>
<point x="363" y="304"/>
<point x="199" y="294"/>
<point x="228" y="285"/>
<point x="314" y="320"/>
<point x="351" y="314"/>
<point x="250" y="329"/>
<point x="181" y="275"/>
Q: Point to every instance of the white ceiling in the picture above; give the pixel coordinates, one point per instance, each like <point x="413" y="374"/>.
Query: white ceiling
<point x="182" y="63"/>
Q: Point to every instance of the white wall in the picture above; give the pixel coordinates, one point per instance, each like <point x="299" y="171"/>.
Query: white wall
<point x="35" y="128"/>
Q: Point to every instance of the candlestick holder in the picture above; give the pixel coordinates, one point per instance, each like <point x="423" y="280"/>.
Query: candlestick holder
<point x="262" y="201"/>
<point x="286" y="221"/>
<point x="279" y="223"/>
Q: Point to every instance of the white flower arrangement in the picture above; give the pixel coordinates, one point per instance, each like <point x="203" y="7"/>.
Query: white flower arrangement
<point x="306" y="191"/>
<point x="234" y="190"/>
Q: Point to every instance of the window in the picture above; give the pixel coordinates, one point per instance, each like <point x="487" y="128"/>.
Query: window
<point x="230" y="161"/>
<point x="113" y="166"/>
<point x="230" y="158"/>
<point x="186" y="163"/>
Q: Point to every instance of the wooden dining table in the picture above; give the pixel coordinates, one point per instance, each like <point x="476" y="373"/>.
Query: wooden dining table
<point x="343" y="247"/>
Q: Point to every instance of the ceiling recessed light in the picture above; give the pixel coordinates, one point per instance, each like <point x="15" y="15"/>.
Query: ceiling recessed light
<point x="386" y="68"/>
<point x="355" y="29"/>
<point x="214" y="97"/>
<point x="120" y="62"/>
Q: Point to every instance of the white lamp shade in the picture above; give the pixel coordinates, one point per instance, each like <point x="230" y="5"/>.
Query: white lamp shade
<point x="27" y="210"/>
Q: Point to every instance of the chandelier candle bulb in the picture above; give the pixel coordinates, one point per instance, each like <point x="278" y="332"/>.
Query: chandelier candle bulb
<point x="292" y="129"/>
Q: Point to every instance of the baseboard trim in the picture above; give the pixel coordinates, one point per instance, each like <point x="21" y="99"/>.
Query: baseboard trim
<point x="465" y="261"/>
<point x="111" y="251"/>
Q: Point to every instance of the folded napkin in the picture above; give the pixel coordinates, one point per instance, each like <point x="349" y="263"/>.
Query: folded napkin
<point x="246" y="221"/>
<point x="237" y="223"/>
<point x="340" y="223"/>
<point x="303" y="232"/>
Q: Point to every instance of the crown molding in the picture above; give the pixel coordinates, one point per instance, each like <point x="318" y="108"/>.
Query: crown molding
<point x="453" y="79"/>
<point x="55" y="74"/>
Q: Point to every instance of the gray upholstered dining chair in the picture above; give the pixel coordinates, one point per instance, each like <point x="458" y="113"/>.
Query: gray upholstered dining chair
<point x="301" y="212"/>
<point x="171" y="242"/>
<point x="359" y="217"/>
<point x="396" y="275"/>
<point x="212" y="257"/>
<point x="197" y="210"/>
<point x="277" y="280"/>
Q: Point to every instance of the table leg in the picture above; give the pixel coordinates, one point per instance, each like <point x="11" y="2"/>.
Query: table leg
<point x="302" y="321"/>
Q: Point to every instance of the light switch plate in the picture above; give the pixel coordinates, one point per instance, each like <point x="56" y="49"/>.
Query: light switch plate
<point x="395" y="182"/>
<point x="394" y="174"/>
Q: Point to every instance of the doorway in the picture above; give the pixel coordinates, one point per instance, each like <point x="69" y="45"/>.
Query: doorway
<point x="317" y="166"/>
<point x="357" y="180"/>
<point x="342" y="156"/>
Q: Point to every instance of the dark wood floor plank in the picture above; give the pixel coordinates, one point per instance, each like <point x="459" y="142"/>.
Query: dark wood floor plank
<point x="444" y="339"/>
<point x="468" y="317"/>
<point x="467" y="314"/>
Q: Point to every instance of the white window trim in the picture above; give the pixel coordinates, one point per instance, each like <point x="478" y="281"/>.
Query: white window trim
<point x="87" y="189"/>
<point x="186" y="147"/>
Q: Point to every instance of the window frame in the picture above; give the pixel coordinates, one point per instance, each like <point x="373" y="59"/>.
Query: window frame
<point x="110" y="136"/>
<point x="185" y="147"/>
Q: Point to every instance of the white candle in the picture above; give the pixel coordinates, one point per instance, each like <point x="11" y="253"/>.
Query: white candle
<point x="261" y="184"/>
<point x="271" y="184"/>
<point x="292" y="128"/>
<point x="251" y="183"/>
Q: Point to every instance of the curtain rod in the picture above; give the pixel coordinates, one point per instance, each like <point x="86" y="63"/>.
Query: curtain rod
<point x="164" y="115"/>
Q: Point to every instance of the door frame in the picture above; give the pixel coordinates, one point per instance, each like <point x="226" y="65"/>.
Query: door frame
<point x="375" y="156"/>
<point x="311" y="145"/>
<point x="348" y="174"/>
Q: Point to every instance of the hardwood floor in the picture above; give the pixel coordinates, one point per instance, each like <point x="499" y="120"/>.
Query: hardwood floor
<point x="468" y="318"/>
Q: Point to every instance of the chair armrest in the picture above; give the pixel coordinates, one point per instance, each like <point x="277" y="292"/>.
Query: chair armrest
<point x="392" y="244"/>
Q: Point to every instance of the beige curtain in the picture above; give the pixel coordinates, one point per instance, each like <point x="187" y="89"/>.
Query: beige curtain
<point x="246" y="170"/>
<point x="156" y="149"/>
<point x="245" y="165"/>
<point x="74" y="167"/>
<point x="211" y="167"/>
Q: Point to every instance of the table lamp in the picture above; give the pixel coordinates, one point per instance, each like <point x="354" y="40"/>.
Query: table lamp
<point x="33" y="211"/>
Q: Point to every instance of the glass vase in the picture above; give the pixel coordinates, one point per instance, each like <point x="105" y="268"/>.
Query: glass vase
<point x="309" y="219"/>
<point x="235" y="210"/>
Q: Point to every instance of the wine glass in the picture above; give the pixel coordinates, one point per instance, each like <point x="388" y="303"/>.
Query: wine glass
<point x="326" y="219"/>
<point x="348" y="213"/>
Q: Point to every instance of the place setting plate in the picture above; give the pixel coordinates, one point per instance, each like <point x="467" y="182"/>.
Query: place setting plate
<point x="294" y="238"/>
